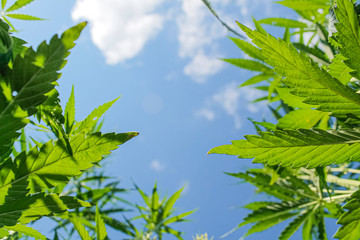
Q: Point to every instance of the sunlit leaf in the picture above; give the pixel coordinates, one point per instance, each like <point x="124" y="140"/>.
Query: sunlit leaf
<point x="17" y="5"/>
<point x="297" y="148"/>
<point x="23" y="16"/>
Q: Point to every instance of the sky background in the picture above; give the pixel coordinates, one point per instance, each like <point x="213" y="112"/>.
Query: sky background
<point x="163" y="58"/>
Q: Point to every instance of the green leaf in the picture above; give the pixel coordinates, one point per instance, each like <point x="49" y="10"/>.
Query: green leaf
<point x="22" y="141"/>
<point x="18" y="47"/>
<point x="83" y="233"/>
<point x="8" y="22"/>
<point x="249" y="65"/>
<point x="257" y="205"/>
<point x="97" y="194"/>
<point x="287" y="36"/>
<point x="285" y="192"/>
<point x="348" y="34"/>
<point x="273" y="85"/>
<point x="248" y="48"/>
<point x="170" y="203"/>
<point x="268" y="223"/>
<point x="297" y="148"/>
<point x="283" y="22"/>
<point x="17" y="5"/>
<point x="3" y="3"/>
<point x="100" y="226"/>
<point x="307" y="228"/>
<point x="23" y="17"/>
<point x="349" y="232"/>
<point x="30" y="208"/>
<point x="144" y="196"/>
<point x="28" y="231"/>
<point x="70" y="112"/>
<point x="302" y="118"/>
<point x="272" y="212"/>
<point x="155" y="204"/>
<point x="314" y="52"/>
<point x="90" y="121"/>
<point x="295" y="225"/>
<point x="305" y="5"/>
<point x="118" y="225"/>
<point x="338" y="69"/>
<point x="6" y="45"/>
<point x="334" y="208"/>
<point x="292" y="100"/>
<point x="52" y="164"/>
<point x="350" y="219"/>
<point x="258" y="26"/>
<point x="29" y="83"/>
<point x="258" y="78"/>
<point x="268" y="126"/>
<point x="305" y="77"/>
<point x="178" y="218"/>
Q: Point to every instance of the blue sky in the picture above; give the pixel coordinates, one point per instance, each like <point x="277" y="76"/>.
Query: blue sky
<point x="163" y="58"/>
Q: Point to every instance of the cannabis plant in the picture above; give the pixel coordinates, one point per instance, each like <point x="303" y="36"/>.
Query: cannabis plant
<point x="33" y="178"/>
<point x="310" y="156"/>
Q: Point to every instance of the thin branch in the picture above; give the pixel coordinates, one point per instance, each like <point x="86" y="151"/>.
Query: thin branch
<point x="208" y="5"/>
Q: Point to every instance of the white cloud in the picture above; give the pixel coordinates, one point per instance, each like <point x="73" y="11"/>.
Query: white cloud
<point x="228" y="98"/>
<point x="233" y="101"/>
<point x="250" y="7"/>
<point x="198" y="31"/>
<point x="202" y="66"/>
<point x="157" y="166"/>
<point x="120" y="29"/>
<point x="205" y="113"/>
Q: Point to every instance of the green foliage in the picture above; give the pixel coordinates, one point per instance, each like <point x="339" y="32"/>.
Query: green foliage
<point x="310" y="156"/>
<point x="350" y="219"/>
<point x="32" y="180"/>
<point x="297" y="148"/>
<point x="100" y="226"/>
<point x="39" y="179"/>
<point x="25" y="87"/>
<point x="8" y="12"/>
<point x="158" y="215"/>
<point x="301" y="198"/>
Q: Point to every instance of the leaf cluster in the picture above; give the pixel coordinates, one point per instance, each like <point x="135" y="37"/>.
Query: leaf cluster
<point x="310" y="154"/>
<point x="34" y="174"/>
<point x="11" y="12"/>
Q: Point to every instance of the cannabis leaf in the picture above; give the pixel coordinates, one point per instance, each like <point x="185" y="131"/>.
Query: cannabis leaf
<point x="350" y="219"/>
<point x="25" y="85"/>
<point x="297" y="148"/>
<point x="100" y="226"/>
<point x="78" y="225"/>
<point x="348" y="35"/>
<point x="305" y="77"/>
<point x="29" y="208"/>
<point x="90" y="121"/>
<point x="303" y="118"/>
<point x="51" y="165"/>
<point x="18" y="4"/>
<point x="158" y="213"/>
<point x="25" y="230"/>
<point x="300" y="199"/>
